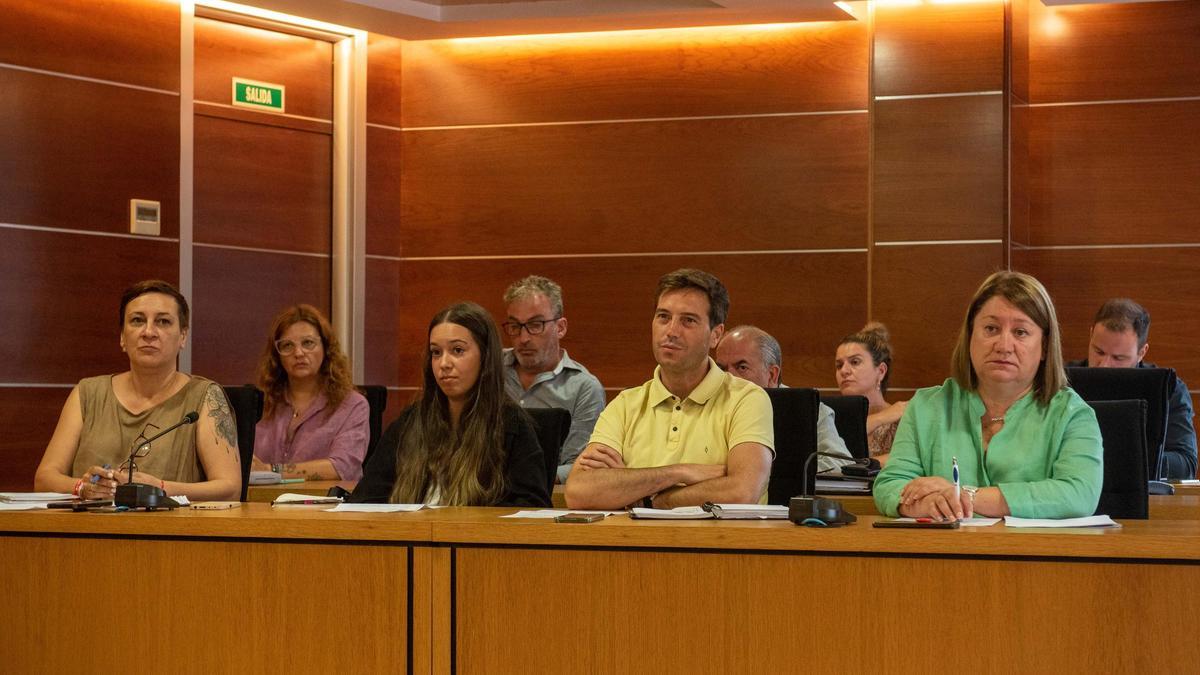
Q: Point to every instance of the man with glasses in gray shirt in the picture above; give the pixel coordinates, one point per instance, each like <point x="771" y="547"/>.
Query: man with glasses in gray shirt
<point x="537" y="371"/>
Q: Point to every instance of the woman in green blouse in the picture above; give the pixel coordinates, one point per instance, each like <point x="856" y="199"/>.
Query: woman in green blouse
<point x="1026" y="445"/>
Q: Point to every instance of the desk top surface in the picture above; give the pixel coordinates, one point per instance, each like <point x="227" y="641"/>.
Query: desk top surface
<point x="1154" y="539"/>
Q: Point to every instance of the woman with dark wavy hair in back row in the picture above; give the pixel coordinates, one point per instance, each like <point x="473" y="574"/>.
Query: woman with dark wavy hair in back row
<point x="463" y="442"/>
<point x="314" y="424"/>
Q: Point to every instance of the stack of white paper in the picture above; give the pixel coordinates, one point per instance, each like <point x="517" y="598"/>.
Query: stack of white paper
<point x="375" y="508"/>
<point x="1087" y="521"/>
<point x="678" y="513"/>
<point x="552" y="513"/>
<point x="15" y="497"/>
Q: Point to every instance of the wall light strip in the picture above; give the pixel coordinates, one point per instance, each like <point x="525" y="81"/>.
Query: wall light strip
<point x="81" y="78"/>
<point x="634" y="32"/>
<point x="1172" y="99"/>
<point x="267" y="115"/>
<point x="90" y="233"/>
<point x="279" y="17"/>
<point x="639" y="120"/>
<point x="252" y="249"/>
<point x="903" y="97"/>
<point x="940" y="242"/>
<point x="1096" y="247"/>
<point x="647" y="254"/>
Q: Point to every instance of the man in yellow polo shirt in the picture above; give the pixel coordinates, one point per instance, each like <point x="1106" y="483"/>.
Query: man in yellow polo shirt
<point x="690" y="435"/>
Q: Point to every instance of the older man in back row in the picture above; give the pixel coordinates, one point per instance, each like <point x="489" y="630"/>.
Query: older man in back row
<point x="691" y="434"/>
<point x="538" y="373"/>
<point x="753" y="354"/>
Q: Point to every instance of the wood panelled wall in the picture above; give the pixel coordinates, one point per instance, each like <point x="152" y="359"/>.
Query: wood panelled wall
<point x="1106" y="135"/>
<point x="828" y="172"/>
<point x="606" y="160"/>
<point x="938" y="182"/>
<point x="89" y="119"/>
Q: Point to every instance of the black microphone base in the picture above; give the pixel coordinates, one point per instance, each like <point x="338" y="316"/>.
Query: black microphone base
<point x="818" y="511"/>
<point x="143" y="496"/>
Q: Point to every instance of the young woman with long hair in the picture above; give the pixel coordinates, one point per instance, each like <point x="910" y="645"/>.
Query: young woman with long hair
<point x="463" y="442"/>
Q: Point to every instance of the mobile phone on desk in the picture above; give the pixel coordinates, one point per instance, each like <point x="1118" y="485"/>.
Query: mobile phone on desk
<point x="859" y="471"/>
<point x="215" y="506"/>
<point x="579" y="517"/>
<point x="918" y="523"/>
<point x="80" y="505"/>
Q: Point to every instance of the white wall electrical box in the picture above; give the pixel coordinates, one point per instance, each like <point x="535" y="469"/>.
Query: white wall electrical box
<point x="145" y="217"/>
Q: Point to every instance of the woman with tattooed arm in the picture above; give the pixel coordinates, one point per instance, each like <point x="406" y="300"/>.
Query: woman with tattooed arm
<point x="105" y="416"/>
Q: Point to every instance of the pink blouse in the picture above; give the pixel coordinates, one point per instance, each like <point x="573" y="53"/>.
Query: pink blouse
<point x="341" y="436"/>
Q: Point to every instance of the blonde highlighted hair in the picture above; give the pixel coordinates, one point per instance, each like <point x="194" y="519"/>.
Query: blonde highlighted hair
<point x="1028" y="295"/>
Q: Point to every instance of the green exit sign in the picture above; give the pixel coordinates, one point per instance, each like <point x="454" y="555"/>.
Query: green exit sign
<point x="259" y="95"/>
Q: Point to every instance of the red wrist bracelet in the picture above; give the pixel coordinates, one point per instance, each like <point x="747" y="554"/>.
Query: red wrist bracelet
<point x="163" y="484"/>
<point x="78" y="487"/>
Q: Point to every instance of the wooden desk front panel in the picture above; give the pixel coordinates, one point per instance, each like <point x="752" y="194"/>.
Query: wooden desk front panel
<point x="202" y="606"/>
<point x="617" y="611"/>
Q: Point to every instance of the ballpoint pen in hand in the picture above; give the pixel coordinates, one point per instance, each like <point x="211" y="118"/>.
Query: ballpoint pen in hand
<point x="957" y="483"/>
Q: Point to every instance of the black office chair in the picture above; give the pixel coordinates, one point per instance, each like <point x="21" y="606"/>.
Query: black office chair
<point x="246" y="404"/>
<point x="1123" y="428"/>
<point x="377" y="397"/>
<point x="1152" y="385"/>
<point x="850" y="418"/>
<point x="552" y="426"/>
<point x="795" y="413"/>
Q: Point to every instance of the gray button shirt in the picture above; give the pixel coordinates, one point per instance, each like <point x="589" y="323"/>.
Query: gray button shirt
<point x="569" y="386"/>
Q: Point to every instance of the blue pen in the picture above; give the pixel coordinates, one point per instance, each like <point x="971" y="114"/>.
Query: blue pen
<point x="96" y="476"/>
<point x="957" y="484"/>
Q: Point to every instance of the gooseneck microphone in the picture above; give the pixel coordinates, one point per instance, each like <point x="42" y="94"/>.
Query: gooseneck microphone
<point x="140" y="495"/>
<point x="808" y="509"/>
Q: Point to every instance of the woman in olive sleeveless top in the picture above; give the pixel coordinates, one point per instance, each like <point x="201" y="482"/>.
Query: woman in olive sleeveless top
<point x="105" y="416"/>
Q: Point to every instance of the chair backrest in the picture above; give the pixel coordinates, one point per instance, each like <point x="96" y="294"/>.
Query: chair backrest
<point x="377" y="397"/>
<point x="552" y="426"/>
<point x="850" y="418"/>
<point x="795" y="411"/>
<point x="246" y="403"/>
<point x="1123" y="428"/>
<point x="1152" y="385"/>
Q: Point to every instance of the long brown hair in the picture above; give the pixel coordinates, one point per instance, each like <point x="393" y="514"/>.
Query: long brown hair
<point x="464" y="463"/>
<point x="336" y="379"/>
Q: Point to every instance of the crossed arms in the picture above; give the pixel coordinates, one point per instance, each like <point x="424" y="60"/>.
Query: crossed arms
<point x="600" y="480"/>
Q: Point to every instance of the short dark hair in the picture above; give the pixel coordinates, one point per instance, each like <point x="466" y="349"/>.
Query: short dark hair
<point x="1118" y="314"/>
<point x="155" y="286"/>
<point x="683" y="279"/>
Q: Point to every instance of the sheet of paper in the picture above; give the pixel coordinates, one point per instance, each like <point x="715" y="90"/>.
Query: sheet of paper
<point x="375" y="508"/>
<point x="678" y="513"/>
<point x="1087" y="521"/>
<point x="551" y="513"/>
<point x="21" y="506"/>
<point x="829" y="485"/>
<point x="977" y="521"/>
<point x="965" y="522"/>
<point x="294" y="498"/>
<point x="36" y="496"/>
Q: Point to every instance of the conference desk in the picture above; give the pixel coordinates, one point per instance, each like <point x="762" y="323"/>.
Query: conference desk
<point x="1162" y="507"/>
<point x="262" y="589"/>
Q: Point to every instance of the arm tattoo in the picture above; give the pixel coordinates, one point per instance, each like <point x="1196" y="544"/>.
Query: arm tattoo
<point x="218" y="410"/>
